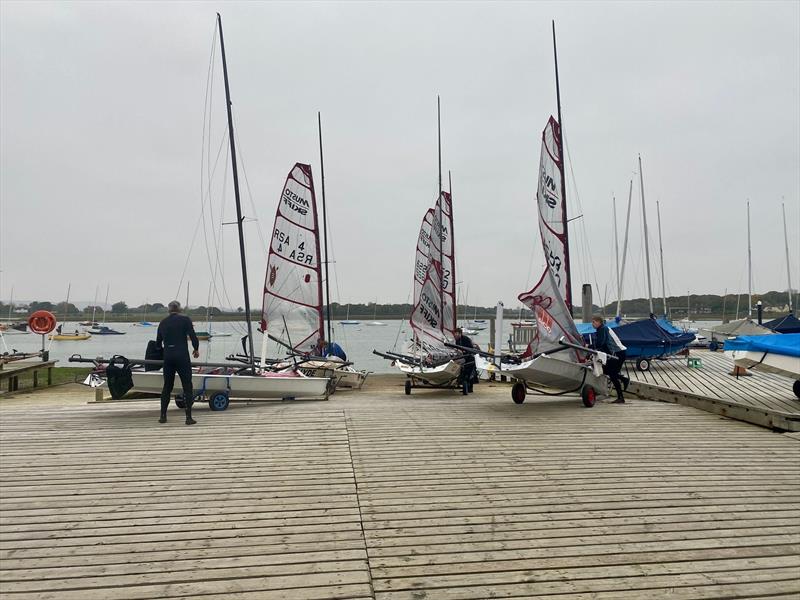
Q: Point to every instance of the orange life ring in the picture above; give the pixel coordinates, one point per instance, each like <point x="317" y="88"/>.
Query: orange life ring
<point x="42" y="321"/>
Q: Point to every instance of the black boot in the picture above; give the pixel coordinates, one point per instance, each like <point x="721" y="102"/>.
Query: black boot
<point x="189" y="419"/>
<point x="164" y="405"/>
<point x="625" y="382"/>
<point x="619" y="400"/>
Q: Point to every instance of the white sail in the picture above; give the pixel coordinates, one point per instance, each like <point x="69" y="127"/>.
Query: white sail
<point x="292" y="306"/>
<point x="433" y="315"/>
<point x="552" y="319"/>
<point x="546" y="299"/>
<point x="550" y="200"/>
<point x="422" y="260"/>
<point x="426" y="316"/>
<point x="442" y="251"/>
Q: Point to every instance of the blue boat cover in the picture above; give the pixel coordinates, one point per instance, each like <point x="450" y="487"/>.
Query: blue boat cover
<point x="645" y="338"/>
<point x="787" y="324"/>
<point x="787" y="344"/>
<point x="668" y="326"/>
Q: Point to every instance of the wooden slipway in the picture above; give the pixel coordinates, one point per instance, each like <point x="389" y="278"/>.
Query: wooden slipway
<point x="760" y="398"/>
<point x="375" y="494"/>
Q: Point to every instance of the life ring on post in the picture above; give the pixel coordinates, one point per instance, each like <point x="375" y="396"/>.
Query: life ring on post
<point x="42" y="321"/>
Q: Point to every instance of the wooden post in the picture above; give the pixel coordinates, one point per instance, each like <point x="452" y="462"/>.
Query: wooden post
<point x="98" y="394"/>
<point x="49" y="375"/>
<point x="35" y="378"/>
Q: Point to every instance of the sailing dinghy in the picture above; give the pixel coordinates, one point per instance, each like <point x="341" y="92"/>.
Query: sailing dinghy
<point x="428" y="360"/>
<point x="248" y="381"/>
<point x="292" y="302"/>
<point x="556" y="357"/>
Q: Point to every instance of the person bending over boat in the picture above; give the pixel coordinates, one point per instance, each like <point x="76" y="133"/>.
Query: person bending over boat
<point x="468" y="368"/>
<point x="173" y="332"/>
<point x="606" y="340"/>
<point x="326" y="349"/>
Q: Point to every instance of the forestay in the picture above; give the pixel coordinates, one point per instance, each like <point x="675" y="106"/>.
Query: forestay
<point x="293" y="285"/>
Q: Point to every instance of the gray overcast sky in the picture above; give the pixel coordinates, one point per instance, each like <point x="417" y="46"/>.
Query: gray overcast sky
<point x="101" y="125"/>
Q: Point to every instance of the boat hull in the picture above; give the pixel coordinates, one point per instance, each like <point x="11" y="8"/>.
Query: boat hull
<point x="70" y="338"/>
<point x="241" y="386"/>
<point x="550" y="372"/>
<point x="767" y="362"/>
<point x="440" y="375"/>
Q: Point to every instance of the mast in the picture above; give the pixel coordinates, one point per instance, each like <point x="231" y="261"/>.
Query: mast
<point x="325" y="233"/>
<point x="239" y="218"/>
<point x="788" y="270"/>
<point x="624" y="250"/>
<point x="688" y="297"/>
<point x="11" y="303"/>
<point x="646" y="245"/>
<point x="66" y="304"/>
<point x="453" y="238"/>
<point x="108" y="287"/>
<point x="186" y="306"/>
<point x="749" y="268"/>
<point x="616" y="243"/>
<point x="439" y="204"/>
<point x="661" y="254"/>
<point x="94" y="306"/>
<point x="568" y="299"/>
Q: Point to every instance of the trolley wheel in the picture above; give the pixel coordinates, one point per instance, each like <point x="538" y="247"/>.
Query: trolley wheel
<point x="713" y="345"/>
<point x="518" y="393"/>
<point x="408" y="387"/>
<point x="589" y="396"/>
<point x="219" y="401"/>
<point x="179" y="402"/>
<point x="796" y="388"/>
<point x="643" y="364"/>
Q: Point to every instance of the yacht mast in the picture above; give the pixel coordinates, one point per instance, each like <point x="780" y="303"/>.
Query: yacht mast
<point x="624" y="250"/>
<point x="749" y="268"/>
<point x="661" y="253"/>
<point x="646" y="244"/>
<point x="788" y="269"/>
<point x="239" y="218"/>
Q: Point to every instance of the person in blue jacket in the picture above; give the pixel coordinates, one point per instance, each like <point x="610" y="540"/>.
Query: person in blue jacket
<point x="326" y="349"/>
<point x="605" y="340"/>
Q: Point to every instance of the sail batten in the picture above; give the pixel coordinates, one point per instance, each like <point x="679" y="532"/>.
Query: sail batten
<point x="292" y="300"/>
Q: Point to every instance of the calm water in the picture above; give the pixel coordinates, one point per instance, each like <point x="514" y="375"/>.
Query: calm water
<point x="358" y="342"/>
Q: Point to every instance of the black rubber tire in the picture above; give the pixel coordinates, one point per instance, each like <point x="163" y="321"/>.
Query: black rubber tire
<point x="518" y="393"/>
<point x="588" y="396"/>
<point x="179" y="402"/>
<point x="796" y="388"/>
<point x="218" y="401"/>
<point x="643" y="364"/>
<point x="408" y="387"/>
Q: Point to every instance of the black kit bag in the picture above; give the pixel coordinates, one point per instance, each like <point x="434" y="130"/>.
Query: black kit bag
<point x="120" y="378"/>
<point x="154" y="352"/>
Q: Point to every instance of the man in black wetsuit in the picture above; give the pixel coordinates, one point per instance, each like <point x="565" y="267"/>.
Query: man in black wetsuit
<point x="468" y="368"/>
<point x="173" y="331"/>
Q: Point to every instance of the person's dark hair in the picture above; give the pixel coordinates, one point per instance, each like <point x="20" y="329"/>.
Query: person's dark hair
<point x="174" y="306"/>
<point x="599" y="319"/>
<point x="459" y="330"/>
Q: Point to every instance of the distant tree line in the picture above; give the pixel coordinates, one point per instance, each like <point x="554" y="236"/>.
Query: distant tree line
<point x="700" y="305"/>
